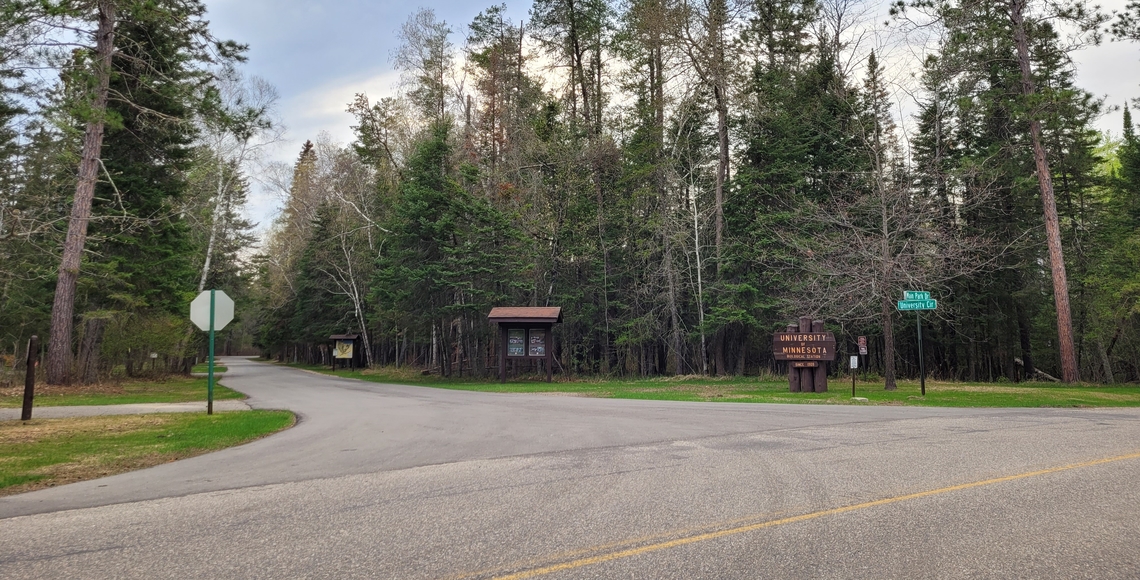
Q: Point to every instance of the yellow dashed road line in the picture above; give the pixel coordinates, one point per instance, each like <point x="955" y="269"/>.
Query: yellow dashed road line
<point x="615" y="555"/>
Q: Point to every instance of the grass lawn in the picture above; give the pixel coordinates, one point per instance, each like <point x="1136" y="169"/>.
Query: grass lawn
<point x="48" y="452"/>
<point x="757" y="390"/>
<point x="204" y="368"/>
<point x="175" y="389"/>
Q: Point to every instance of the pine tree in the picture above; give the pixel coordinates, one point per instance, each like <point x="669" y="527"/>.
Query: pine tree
<point x="800" y="147"/>
<point x="156" y="71"/>
<point x="450" y="256"/>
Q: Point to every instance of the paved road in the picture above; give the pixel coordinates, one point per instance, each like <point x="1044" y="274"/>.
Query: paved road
<point x="384" y="481"/>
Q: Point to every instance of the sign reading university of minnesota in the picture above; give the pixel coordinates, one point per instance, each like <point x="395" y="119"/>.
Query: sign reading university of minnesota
<point x="803" y="346"/>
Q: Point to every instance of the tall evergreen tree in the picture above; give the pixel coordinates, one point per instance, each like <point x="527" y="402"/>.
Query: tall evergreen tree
<point x="170" y="40"/>
<point x="450" y="256"/>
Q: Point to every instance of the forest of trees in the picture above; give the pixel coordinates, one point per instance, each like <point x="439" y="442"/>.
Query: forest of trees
<point x="683" y="177"/>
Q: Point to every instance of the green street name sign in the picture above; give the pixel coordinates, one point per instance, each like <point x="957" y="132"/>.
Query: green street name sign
<point x="915" y="295"/>
<point x="918" y="304"/>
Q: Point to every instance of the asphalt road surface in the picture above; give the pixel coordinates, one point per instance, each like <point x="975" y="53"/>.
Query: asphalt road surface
<point x="385" y="481"/>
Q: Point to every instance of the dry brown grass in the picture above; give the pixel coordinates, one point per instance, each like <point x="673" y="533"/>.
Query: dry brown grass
<point x="45" y="390"/>
<point x="17" y="432"/>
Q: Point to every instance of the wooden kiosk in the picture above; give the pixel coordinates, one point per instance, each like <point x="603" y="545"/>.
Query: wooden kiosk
<point x="525" y="334"/>
<point x="346" y="350"/>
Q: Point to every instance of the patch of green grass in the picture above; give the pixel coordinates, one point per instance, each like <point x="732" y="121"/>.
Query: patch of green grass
<point x="754" y="390"/>
<point x="205" y="368"/>
<point x="170" y="390"/>
<point x="49" y="452"/>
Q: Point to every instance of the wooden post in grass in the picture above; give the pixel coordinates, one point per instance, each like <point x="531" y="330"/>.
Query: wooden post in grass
<point x="30" y="378"/>
<point x="820" y="382"/>
<point x="807" y="376"/>
<point x="793" y="372"/>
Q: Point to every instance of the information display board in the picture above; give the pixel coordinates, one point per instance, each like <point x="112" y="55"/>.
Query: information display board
<point x="537" y="342"/>
<point x="343" y="349"/>
<point x="516" y="342"/>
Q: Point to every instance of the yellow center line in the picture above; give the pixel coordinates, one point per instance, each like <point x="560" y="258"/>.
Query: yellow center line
<point x="800" y="518"/>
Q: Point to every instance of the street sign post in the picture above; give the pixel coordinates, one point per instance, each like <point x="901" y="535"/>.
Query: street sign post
<point x="212" y="310"/>
<point x="918" y="301"/>
<point x="854" y="365"/>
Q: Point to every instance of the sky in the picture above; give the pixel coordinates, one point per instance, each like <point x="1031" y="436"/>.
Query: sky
<point x="320" y="54"/>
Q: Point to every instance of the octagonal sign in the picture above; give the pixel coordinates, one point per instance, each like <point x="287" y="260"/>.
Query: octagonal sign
<point x="223" y="310"/>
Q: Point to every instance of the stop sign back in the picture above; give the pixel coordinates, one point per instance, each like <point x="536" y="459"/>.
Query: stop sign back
<point x="223" y="310"/>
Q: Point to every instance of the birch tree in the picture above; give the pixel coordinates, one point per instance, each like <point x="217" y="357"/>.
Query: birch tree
<point x="237" y="126"/>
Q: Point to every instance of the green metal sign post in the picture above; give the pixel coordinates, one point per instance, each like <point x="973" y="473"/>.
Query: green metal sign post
<point x="918" y="301"/>
<point x="213" y="301"/>
<point x="211" y="311"/>
<point x="918" y="320"/>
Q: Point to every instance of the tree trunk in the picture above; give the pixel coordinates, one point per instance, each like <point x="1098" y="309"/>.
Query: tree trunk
<point x="1026" y="344"/>
<point x="718" y="21"/>
<point x="93" y="329"/>
<point x="674" y="314"/>
<point x="700" y="288"/>
<point x="888" y="344"/>
<point x="1069" y="371"/>
<point x="1105" y="362"/>
<point x="741" y="360"/>
<point x="63" y="307"/>
<point x="718" y="352"/>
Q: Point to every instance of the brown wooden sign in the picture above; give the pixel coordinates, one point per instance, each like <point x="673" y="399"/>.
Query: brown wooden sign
<point x="803" y="346"/>
<point x="804" y="364"/>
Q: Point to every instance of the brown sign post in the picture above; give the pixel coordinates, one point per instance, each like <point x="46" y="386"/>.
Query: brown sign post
<point x="525" y="334"/>
<point x="805" y="346"/>
<point x="30" y="378"/>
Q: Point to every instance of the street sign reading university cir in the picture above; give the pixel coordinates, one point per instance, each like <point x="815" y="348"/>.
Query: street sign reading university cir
<point x="918" y="304"/>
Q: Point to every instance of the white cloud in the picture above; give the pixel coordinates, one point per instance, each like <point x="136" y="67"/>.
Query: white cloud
<point x="319" y="109"/>
<point x="323" y="108"/>
<point x="1110" y="71"/>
